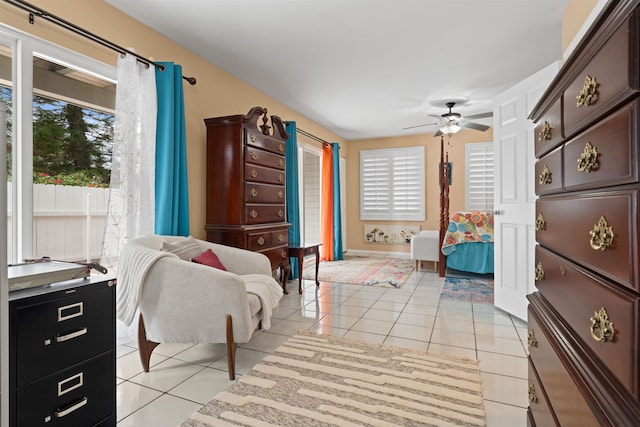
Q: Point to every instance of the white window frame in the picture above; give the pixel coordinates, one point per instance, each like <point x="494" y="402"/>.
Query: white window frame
<point x="479" y="176"/>
<point x="25" y="47"/>
<point x="392" y="184"/>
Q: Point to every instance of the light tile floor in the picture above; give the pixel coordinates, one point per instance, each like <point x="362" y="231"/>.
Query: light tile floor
<point x="185" y="377"/>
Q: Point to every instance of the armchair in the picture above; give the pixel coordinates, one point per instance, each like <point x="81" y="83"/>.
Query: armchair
<point x="184" y="302"/>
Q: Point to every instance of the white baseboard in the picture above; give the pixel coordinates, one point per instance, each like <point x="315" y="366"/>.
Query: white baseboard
<point x="360" y="252"/>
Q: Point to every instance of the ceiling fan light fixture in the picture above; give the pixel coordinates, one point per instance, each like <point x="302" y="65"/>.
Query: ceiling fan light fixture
<point x="450" y="128"/>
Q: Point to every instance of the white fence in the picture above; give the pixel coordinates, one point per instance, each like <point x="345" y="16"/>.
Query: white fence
<point x="68" y="221"/>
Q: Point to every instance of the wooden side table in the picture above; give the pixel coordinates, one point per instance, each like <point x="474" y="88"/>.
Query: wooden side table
<point x="300" y="252"/>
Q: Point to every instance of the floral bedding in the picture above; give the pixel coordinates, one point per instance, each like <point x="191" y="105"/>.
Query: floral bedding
<point x="465" y="227"/>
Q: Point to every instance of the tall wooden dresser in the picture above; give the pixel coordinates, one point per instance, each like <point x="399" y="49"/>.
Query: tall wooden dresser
<point x="246" y="203"/>
<point x="584" y="318"/>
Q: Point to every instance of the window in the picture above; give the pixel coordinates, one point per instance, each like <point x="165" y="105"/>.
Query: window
<point x="392" y="184"/>
<point x="479" y="176"/>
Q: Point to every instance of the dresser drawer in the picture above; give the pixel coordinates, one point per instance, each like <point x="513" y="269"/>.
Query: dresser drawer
<point x="548" y="131"/>
<point x="259" y="241"/>
<point x="601" y="85"/>
<point x="263" y="193"/>
<point x="583" y="299"/>
<point x="569" y="405"/>
<point x="278" y="256"/>
<point x="549" y="173"/>
<point x="260" y="157"/>
<point x="565" y="224"/>
<point x="539" y="407"/>
<point x="77" y="396"/>
<point x="259" y="140"/>
<point x="263" y="174"/>
<point x="60" y="332"/>
<point x="606" y="154"/>
<point x="259" y="214"/>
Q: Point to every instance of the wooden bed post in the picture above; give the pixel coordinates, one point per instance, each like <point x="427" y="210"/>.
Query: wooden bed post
<point x="444" y="204"/>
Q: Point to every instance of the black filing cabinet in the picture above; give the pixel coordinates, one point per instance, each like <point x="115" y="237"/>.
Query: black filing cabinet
<point x="62" y="354"/>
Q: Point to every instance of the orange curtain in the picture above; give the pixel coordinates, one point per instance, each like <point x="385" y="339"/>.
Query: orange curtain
<point x="326" y="216"/>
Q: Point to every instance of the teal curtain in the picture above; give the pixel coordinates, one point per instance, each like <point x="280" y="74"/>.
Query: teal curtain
<point x="172" y="199"/>
<point x="337" y="212"/>
<point x="293" y="198"/>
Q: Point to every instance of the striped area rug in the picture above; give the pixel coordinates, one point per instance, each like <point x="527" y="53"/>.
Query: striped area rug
<point x="321" y="380"/>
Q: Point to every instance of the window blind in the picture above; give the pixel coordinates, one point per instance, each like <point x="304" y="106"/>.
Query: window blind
<point x="392" y="184"/>
<point x="479" y="176"/>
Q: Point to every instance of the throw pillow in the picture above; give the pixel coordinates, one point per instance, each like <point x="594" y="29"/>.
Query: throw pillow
<point x="186" y="249"/>
<point x="209" y="258"/>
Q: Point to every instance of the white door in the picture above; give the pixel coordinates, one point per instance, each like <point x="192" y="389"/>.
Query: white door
<point x="514" y="195"/>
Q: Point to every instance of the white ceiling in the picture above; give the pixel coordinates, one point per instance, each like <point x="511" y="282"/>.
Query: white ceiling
<point x="366" y="68"/>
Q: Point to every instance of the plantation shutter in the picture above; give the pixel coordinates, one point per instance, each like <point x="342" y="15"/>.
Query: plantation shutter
<point x="479" y="176"/>
<point x="392" y="184"/>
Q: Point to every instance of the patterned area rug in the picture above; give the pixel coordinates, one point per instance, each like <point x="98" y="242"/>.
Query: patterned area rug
<point x="369" y="271"/>
<point x="316" y="380"/>
<point x="476" y="290"/>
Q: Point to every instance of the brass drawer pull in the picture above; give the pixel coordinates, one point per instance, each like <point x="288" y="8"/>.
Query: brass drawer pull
<point x="532" y="394"/>
<point x="545" y="176"/>
<point x="601" y="235"/>
<point x="280" y="162"/>
<point x="280" y="177"/>
<point x="588" y="160"/>
<point x="541" y="224"/>
<point x="601" y="327"/>
<point x="253" y="192"/>
<point x="280" y="213"/>
<point x="283" y="254"/>
<point x="539" y="272"/>
<point x="253" y="173"/>
<point x="280" y="194"/>
<point x="280" y="237"/>
<point x="545" y="133"/>
<point x="254" y="155"/>
<point x="531" y="339"/>
<point x="261" y="240"/>
<point x="253" y="214"/>
<point x="253" y="138"/>
<point x="588" y="92"/>
<point x="281" y="147"/>
<point x="563" y="271"/>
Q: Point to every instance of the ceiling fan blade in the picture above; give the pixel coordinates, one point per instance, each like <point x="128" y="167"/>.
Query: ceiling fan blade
<point x="480" y="116"/>
<point x="419" y="126"/>
<point x="475" y="126"/>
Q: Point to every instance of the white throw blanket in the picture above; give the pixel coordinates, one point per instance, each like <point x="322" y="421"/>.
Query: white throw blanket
<point x="268" y="290"/>
<point x="134" y="264"/>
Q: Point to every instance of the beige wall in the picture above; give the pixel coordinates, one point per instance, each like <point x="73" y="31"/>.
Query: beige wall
<point x="574" y="16"/>
<point x="216" y="93"/>
<point x="455" y="146"/>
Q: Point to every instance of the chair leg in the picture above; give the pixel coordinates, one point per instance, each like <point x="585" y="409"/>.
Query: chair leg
<point x="231" y="349"/>
<point x="145" y="347"/>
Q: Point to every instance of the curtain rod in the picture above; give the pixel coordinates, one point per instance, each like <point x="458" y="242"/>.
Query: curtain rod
<point x="315" y="138"/>
<point x="34" y="10"/>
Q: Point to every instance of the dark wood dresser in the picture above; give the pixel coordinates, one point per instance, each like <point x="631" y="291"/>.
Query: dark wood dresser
<point x="62" y="362"/>
<point x="584" y="318"/>
<point x="246" y="203"/>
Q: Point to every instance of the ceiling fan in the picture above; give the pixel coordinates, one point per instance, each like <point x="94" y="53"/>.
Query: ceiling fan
<point x="451" y="122"/>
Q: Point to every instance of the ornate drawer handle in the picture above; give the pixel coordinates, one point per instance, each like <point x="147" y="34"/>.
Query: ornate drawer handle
<point x="283" y="254"/>
<point x="541" y="224"/>
<point x="545" y="176"/>
<point x="261" y="240"/>
<point x="601" y="327"/>
<point x="601" y="235"/>
<point x="280" y="177"/>
<point x="281" y="147"/>
<point x="280" y="194"/>
<point x="254" y="138"/>
<point x="539" y="272"/>
<point x="253" y="214"/>
<point x="531" y="339"/>
<point x="253" y="173"/>
<point x="253" y="192"/>
<point x="545" y="133"/>
<point x="563" y="271"/>
<point x="254" y="155"/>
<point x="588" y="160"/>
<point x="280" y="162"/>
<point x="588" y="92"/>
<point x="532" y="394"/>
<point x="281" y="213"/>
<point x="280" y="237"/>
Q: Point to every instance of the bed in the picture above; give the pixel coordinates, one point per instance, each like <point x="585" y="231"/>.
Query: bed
<point x="468" y="242"/>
